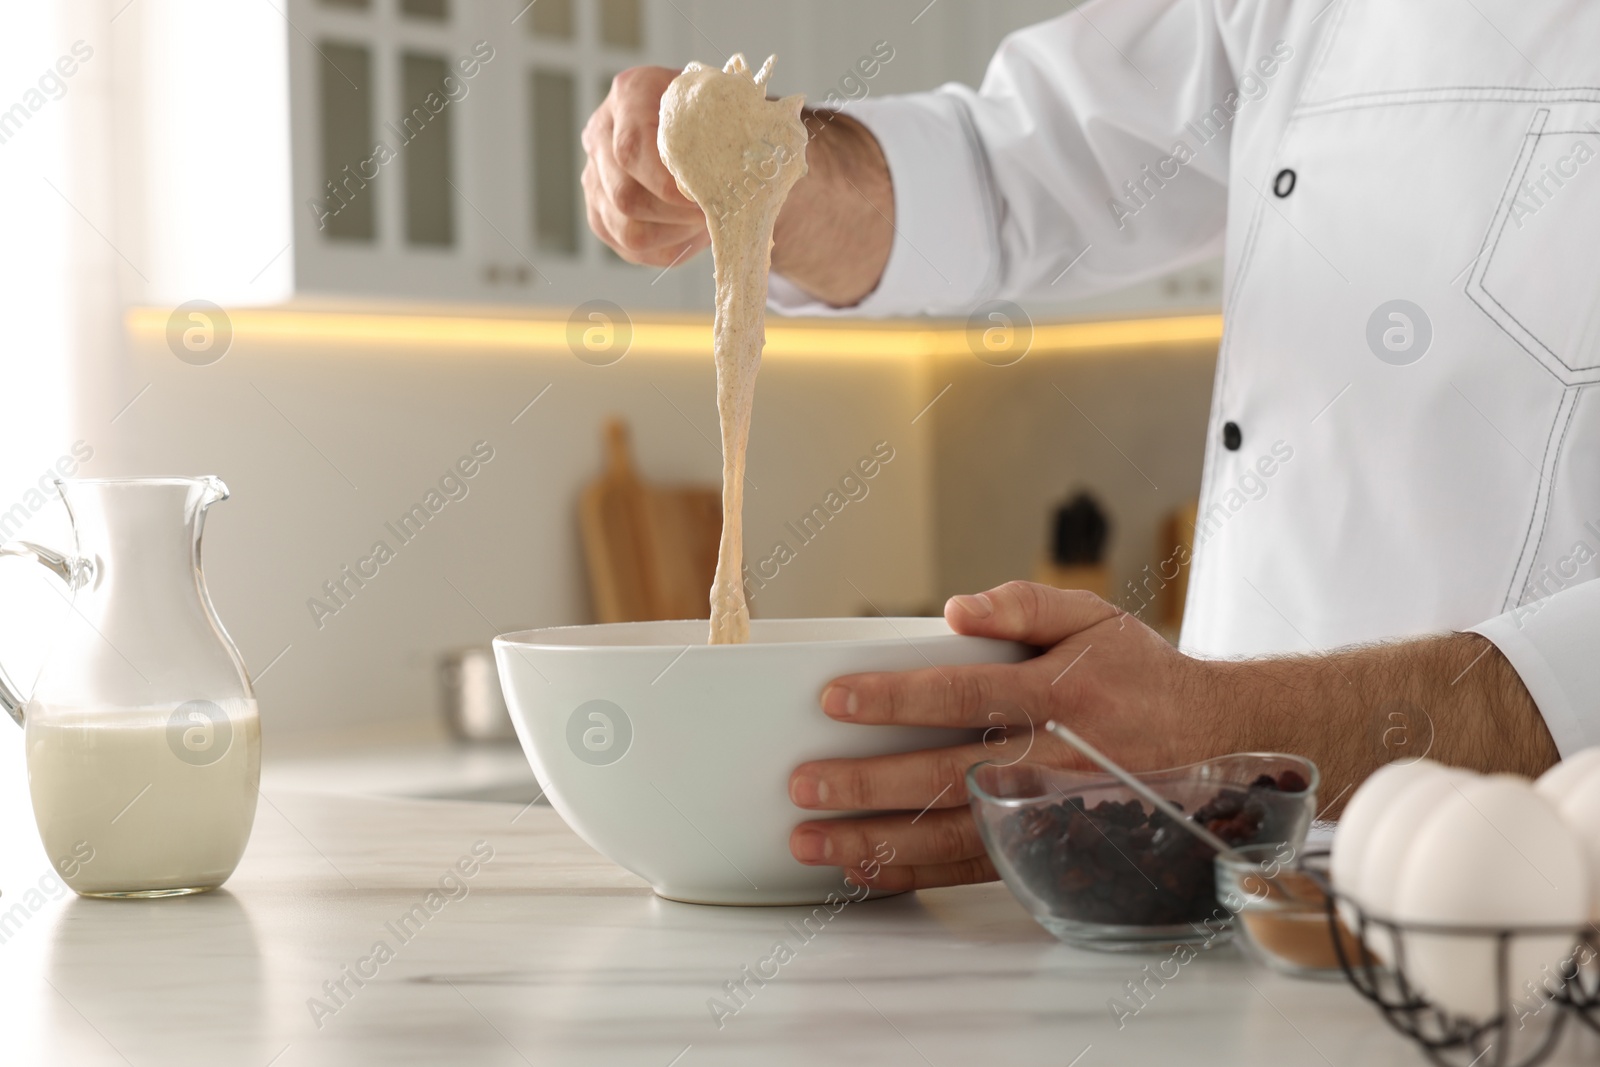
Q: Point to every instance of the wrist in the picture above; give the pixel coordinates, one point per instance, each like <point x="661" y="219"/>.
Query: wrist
<point x="1452" y="698"/>
<point x="1514" y="724"/>
<point x="1300" y="705"/>
<point x="833" y="236"/>
<point x="1230" y="696"/>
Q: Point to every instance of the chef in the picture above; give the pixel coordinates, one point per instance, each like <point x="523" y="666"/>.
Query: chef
<point x="1407" y="198"/>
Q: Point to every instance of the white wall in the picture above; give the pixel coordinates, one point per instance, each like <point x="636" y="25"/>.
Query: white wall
<point x="392" y="422"/>
<point x="1012" y="448"/>
<point x="964" y="503"/>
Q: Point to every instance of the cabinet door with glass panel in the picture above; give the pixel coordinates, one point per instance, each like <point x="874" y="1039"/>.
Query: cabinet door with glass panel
<point x="436" y="148"/>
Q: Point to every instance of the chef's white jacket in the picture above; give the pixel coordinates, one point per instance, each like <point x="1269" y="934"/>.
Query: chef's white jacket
<point x="1445" y="469"/>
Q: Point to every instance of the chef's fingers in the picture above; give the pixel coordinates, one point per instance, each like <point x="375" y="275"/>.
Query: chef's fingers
<point x="1028" y="612"/>
<point x="631" y="199"/>
<point x="596" y="223"/>
<point x="636" y="202"/>
<point x="907" y="781"/>
<point x="654" y="243"/>
<point x="636" y="106"/>
<point x="893" y="879"/>
<point x="597" y="132"/>
<point x="627" y="234"/>
<point x="977" y="696"/>
<point x="942" y="836"/>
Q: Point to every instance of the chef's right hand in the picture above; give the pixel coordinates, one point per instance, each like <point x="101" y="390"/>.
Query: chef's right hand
<point x="634" y="202"/>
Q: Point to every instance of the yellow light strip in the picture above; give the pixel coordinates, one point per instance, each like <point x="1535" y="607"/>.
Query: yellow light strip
<point x="688" y="337"/>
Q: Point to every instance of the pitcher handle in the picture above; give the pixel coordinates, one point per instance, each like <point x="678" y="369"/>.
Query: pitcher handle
<point x="75" y="573"/>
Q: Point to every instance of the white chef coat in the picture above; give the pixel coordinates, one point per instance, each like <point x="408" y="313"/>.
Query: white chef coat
<point x="1343" y="155"/>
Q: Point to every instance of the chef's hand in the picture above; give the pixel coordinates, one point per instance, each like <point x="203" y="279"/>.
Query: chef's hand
<point x="634" y="202"/>
<point x="832" y="238"/>
<point x="1147" y="706"/>
<point x="1105" y="673"/>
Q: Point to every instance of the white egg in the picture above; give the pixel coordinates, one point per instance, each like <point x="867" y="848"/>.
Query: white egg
<point x="1496" y="854"/>
<point x="1389" y="846"/>
<point x="1581" y="810"/>
<point x="1567" y="775"/>
<point x="1363" y="815"/>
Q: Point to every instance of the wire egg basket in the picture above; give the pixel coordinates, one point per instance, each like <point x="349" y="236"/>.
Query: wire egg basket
<point x="1528" y="1022"/>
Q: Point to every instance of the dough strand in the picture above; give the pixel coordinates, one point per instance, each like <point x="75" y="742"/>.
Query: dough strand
<point x="736" y="154"/>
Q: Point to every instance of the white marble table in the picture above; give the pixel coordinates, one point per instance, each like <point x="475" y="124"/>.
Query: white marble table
<point x="554" y="956"/>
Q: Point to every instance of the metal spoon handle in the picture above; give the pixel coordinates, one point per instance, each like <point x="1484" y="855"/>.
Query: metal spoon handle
<point x="1160" y="803"/>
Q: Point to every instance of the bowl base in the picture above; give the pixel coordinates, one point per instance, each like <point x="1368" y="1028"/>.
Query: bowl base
<point x="776" y="898"/>
<point x="1105" y="938"/>
<point x="143" y="894"/>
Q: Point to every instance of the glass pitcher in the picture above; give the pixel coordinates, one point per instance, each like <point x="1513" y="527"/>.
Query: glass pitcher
<point x="143" y="743"/>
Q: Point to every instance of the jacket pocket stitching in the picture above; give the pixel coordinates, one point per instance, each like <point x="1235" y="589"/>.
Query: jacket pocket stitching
<point x="1542" y="499"/>
<point x="1476" y="291"/>
<point x="1448" y="94"/>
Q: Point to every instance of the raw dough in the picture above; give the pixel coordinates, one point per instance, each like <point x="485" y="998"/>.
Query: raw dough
<point x="736" y="154"/>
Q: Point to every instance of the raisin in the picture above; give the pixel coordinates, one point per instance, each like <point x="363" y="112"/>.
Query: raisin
<point x="1117" y="863"/>
<point x="1037" y="822"/>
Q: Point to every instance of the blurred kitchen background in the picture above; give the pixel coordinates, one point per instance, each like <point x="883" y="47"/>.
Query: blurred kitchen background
<point x="190" y="155"/>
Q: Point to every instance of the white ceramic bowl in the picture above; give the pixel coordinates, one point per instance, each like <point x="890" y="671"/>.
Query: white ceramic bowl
<point x="672" y="757"/>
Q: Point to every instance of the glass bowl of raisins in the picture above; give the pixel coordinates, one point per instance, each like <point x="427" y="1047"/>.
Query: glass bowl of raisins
<point x="1099" y="868"/>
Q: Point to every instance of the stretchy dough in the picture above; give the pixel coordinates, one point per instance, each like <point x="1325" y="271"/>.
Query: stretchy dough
<point x="736" y="154"/>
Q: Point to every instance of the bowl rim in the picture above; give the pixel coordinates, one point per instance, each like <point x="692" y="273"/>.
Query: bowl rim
<point x="1099" y="778"/>
<point x="1320" y="853"/>
<point x="537" y="639"/>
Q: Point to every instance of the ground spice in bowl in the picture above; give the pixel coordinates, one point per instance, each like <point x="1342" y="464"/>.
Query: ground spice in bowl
<point x="1284" y="912"/>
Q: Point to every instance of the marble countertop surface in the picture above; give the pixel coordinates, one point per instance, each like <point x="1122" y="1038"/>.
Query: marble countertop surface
<point x="549" y="954"/>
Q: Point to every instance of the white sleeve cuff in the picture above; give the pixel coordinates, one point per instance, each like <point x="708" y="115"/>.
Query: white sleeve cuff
<point x="945" y="250"/>
<point x="1554" y="646"/>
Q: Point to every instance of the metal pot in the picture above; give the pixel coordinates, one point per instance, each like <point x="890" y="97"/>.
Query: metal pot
<point x="473" y="704"/>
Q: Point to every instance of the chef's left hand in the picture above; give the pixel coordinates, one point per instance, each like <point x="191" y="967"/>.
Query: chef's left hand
<point x="1104" y="673"/>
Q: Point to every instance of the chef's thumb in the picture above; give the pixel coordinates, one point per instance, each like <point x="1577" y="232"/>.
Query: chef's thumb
<point x="1028" y="612"/>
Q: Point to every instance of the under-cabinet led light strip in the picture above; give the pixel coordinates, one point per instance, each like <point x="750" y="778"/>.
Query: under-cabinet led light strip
<point x="686" y="337"/>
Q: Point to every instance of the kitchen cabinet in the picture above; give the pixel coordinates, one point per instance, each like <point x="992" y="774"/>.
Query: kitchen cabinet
<point x="477" y="197"/>
<point x="427" y="151"/>
<point x="435" y="147"/>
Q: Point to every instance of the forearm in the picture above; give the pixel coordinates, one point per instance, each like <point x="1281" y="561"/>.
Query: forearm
<point x="1453" y="698"/>
<point x="835" y="231"/>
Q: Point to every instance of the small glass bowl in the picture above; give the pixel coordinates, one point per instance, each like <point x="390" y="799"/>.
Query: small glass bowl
<point x="1283" y="911"/>
<point x="1095" y="866"/>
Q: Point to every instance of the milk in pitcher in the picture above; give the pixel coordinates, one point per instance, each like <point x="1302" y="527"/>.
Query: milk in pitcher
<point x="151" y="801"/>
